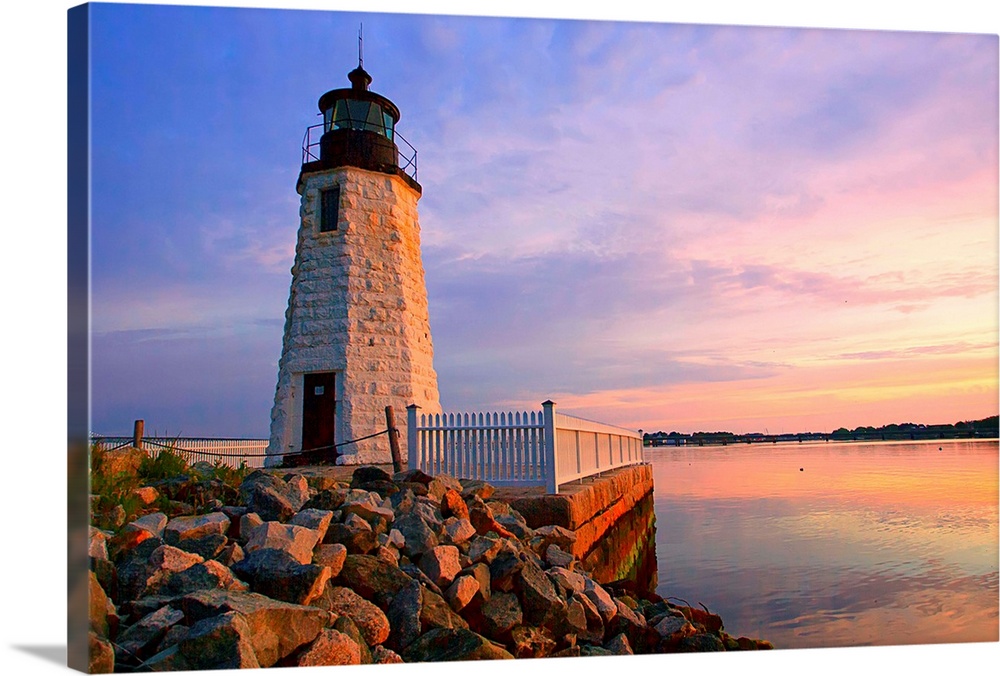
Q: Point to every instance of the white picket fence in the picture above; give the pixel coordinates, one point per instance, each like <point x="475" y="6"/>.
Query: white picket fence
<point x="231" y="452"/>
<point x="537" y="448"/>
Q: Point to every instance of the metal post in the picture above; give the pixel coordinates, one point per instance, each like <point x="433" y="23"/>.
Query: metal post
<point x="137" y="429"/>
<point x="390" y="423"/>
<point x="551" y="464"/>
<point x="411" y="436"/>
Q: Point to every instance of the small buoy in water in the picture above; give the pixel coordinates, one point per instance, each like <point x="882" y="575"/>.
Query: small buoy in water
<point x="801" y="469"/>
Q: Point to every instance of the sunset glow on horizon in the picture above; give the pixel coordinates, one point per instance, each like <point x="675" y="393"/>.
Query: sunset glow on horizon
<point x="667" y="227"/>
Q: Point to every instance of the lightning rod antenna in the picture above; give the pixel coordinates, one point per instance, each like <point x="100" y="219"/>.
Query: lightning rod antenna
<point x="361" y="46"/>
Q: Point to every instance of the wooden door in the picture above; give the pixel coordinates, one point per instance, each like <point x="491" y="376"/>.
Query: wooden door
<point x="318" y="411"/>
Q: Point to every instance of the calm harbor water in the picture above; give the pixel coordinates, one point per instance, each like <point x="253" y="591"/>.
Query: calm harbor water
<point x="833" y="544"/>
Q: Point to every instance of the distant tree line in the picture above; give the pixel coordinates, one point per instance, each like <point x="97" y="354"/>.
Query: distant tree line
<point x="987" y="428"/>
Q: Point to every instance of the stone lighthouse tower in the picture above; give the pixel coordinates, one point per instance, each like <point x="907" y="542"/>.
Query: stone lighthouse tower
<point x="357" y="335"/>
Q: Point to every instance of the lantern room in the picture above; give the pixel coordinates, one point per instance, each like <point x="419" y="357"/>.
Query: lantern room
<point x="358" y="130"/>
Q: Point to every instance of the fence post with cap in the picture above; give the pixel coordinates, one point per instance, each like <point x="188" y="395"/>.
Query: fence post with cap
<point x="551" y="464"/>
<point x="411" y="436"/>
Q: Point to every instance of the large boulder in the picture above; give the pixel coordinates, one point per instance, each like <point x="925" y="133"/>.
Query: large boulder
<point x="499" y="615"/>
<point x="346" y="626"/>
<point x="221" y="642"/>
<point x="140" y="640"/>
<point x="206" y="575"/>
<point x="330" y="648"/>
<point x="452" y="504"/>
<point x="462" y="591"/>
<point x="276" y="628"/>
<point x="483" y="549"/>
<point x="191" y="527"/>
<point x="332" y="556"/>
<point x="441" y="564"/>
<point x="368" y="617"/>
<point x="404" y="616"/>
<point x="367" y="506"/>
<point x="154" y="524"/>
<point x="457" y="531"/>
<point x="373" y="579"/>
<point x="583" y="620"/>
<point x="207" y="546"/>
<point x="276" y="573"/>
<point x="418" y="535"/>
<point x="141" y="576"/>
<point x="316" y="519"/>
<point x="481" y="516"/>
<point x="445" y="645"/>
<point x="272" y="498"/>
<point x="541" y="602"/>
<point x="299" y="541"/>
<point x="601" y="599"/>
<point x="416" y="610"/>
<point x="355" y="540"/>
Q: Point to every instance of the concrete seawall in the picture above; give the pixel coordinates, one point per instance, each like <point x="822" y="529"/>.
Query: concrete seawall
<point x="611" y="515"/>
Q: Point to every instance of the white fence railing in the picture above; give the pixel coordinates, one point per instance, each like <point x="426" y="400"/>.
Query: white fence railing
<point x="231" y="452"/>
<point x="537" y="448"/>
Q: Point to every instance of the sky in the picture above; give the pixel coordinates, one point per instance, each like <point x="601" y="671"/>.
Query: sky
<point x="662" y="226"/>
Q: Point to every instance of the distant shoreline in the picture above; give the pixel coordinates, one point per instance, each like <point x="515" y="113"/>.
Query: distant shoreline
<point x="749" y="440"/>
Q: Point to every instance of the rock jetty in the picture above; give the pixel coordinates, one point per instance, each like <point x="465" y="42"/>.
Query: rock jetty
<point x="290" y="571"/>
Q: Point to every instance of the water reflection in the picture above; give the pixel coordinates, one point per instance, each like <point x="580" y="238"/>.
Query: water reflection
<point x="626" y="554"/>
<point x="833" y="544"/>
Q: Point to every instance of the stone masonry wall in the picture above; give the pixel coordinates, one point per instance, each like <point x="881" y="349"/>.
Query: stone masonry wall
<point x="357" y="306"/>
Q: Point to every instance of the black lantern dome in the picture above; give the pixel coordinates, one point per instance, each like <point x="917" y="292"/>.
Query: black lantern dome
<point x="358" y="130"/>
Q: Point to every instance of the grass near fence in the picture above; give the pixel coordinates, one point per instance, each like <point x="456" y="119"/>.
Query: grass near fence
<point x="112" y="490"/>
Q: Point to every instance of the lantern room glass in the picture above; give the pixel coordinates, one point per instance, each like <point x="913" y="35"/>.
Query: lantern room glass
<point x="358" y="115"/>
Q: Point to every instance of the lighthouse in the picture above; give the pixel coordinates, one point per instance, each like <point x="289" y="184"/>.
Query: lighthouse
<point x="357" y="333"/>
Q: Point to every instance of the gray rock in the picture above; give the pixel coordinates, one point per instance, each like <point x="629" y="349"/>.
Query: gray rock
<point x="221" y="642"/>
<point x="447" y="645"/>
<point x="316" y="519"/>
<point x="417" y="535"/>
<point x="555" y="556"/>
<point x="458" y="531"/>
<point x="500" y="615"/>
<point x="375" y="580"/>
<point x="539" y="598"/>
<point x="140" y="640"/>
<point x="207" y="546"/>
<point x="205" y="575"/>
<point x="277" y="574"/>
<point x="151" y="523"/>
<point x="484" y="548"/>
<point x="619" y="645"/>
<point x="404" y="617"/>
